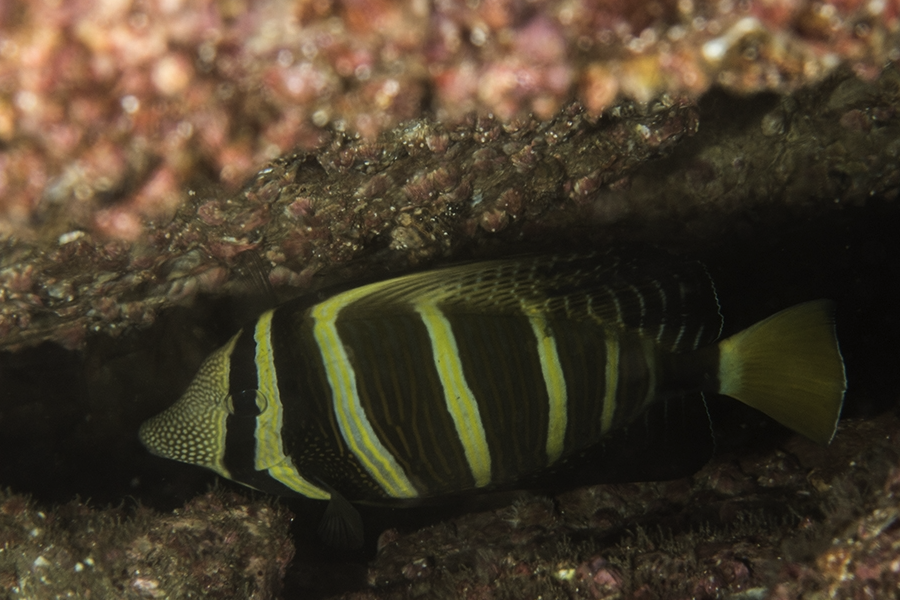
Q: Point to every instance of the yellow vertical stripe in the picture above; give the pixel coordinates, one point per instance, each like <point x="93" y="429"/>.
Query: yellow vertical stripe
<point x="461" y="402"/>
<point x="270" y="454"/>
<point x="612" y="381"/>
<point x="268" y="423"/>
<point x="556" y="387"/>
<point x="219" y="367"/>
<point x="351" y="418"/>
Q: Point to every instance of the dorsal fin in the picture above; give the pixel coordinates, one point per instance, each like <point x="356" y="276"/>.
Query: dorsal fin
<point x="672" y="302"/>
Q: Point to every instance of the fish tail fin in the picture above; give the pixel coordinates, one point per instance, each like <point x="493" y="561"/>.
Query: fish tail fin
<point x="789" y="366"/>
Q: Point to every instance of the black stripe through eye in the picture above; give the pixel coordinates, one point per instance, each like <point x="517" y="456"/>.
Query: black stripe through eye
<point x="242" y="404"/>
<point x="242" y="377"/>
<point x="246" y="403"/>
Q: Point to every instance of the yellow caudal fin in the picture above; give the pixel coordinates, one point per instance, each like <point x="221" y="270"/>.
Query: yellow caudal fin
<point x="789" y="367"/>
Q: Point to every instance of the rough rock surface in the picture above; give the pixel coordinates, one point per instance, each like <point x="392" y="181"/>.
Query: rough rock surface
<point x="425" y="191"/>
<point x="218" y="546"/>
<point x="109" y="109"/>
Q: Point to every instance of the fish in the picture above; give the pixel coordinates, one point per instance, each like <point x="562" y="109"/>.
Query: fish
<point x="481" y="375"/>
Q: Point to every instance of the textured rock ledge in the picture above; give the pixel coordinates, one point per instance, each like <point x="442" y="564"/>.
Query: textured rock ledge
<point x="219" y="545"/>
<point x="110" y="109"/>
<point x="675" y="171"/>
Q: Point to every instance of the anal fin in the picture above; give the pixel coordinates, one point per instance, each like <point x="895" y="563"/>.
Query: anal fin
<point x="342" y="525"/>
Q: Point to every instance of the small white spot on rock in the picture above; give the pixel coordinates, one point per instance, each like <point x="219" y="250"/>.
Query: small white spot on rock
<point x="70" y="236"/>
<point x="40" y="562"/>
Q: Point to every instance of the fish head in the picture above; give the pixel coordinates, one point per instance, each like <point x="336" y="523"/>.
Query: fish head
<point x="193" y="429"/>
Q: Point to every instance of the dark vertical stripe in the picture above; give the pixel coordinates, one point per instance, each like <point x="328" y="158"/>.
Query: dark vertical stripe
<point x="240" y="425"/>
<point x="655" y="305"/>
<point x="242" y="374"/>
<point x="311" y="435"/>
<point x="502" y="366"/>
<point x="634" y="380"/>
<point x="582" y="354"/>
<point x="403" y="398"/>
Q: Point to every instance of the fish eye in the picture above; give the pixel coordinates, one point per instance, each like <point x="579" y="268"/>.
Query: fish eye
<point x="246" y="403"/>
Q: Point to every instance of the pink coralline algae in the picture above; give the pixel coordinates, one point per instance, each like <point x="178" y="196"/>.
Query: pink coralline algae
<point x="425" y="191"/>
<point x="418" y="191"/>
<point x="109" y="110"/>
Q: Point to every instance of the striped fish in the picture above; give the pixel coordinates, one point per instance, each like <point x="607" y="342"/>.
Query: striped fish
<point x="479" y="375"/>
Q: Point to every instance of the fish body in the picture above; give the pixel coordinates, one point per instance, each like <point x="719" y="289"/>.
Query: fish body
<point x="479" y="375"/>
